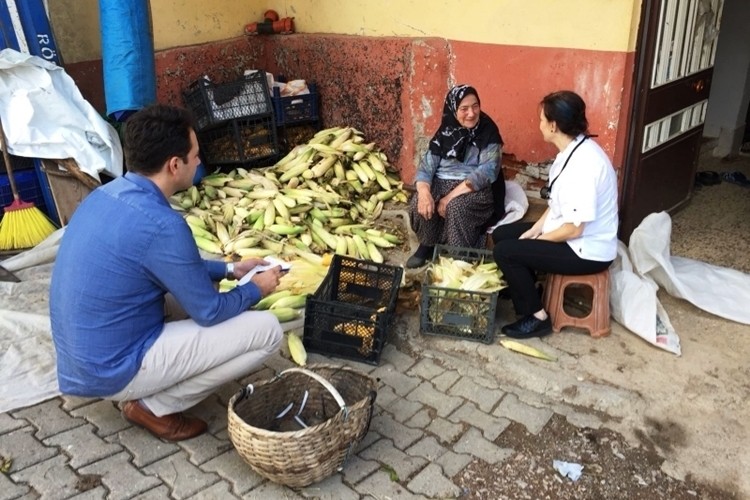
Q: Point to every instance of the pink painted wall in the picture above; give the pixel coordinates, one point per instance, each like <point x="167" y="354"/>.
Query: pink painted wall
<point x="392" y="88"/>
<point x="511" y="81"/>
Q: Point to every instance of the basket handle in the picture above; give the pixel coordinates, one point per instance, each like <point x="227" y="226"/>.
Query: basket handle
<point x="322" y="382"/>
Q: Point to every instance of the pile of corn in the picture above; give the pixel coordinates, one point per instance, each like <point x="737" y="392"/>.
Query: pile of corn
<point x="324" y="196"/>
<point x="306" y="273"/>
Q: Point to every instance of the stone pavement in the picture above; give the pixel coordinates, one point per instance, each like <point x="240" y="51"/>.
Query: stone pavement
<point x="434" y="415"/>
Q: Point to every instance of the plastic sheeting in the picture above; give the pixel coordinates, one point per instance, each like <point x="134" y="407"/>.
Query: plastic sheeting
<point x="27" y="353"/>
<point x="127" y="56"/>
<point x="516" y="205"/>
<point x="641" y="269"/>
<point x="44" y="115"/>
<point x="718" y="290"/>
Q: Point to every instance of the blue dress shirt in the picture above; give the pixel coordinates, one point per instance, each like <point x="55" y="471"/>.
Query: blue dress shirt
<point x="123" y="249"/>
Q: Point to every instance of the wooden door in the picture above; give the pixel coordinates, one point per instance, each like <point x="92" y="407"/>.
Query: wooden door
<point x="675" y="58"/>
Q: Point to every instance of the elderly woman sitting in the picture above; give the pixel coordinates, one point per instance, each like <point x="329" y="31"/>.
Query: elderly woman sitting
<point x="460" y="186"/>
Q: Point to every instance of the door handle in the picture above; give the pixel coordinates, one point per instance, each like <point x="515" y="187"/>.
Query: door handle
<point x="698" y="85"/>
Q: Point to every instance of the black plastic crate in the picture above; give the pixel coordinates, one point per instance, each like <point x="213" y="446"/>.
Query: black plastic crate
<point x="296" y="109"/>
<point x="458" y="313"/>
<point x="214" y="104"/>
<point x="19" y="163"/>
<point x="351" y="312"/>
<point x="246" y="142"/>
<point x="293" y="135"/>
<point x="28" y="187"/>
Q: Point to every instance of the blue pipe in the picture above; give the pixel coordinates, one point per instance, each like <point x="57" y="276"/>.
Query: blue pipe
<point x="127" y="56"/>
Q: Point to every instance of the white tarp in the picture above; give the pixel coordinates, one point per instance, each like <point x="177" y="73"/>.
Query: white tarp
<point x="718" y="290"/>
<point x="640" y="269"/>
<point x="44" y="115"/>
<point x="27" y="354"/>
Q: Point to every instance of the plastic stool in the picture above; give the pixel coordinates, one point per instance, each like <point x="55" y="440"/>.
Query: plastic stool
<point x="597" y="321"/>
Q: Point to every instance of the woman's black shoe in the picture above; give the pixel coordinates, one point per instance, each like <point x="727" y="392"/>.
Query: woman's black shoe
<point x="528" y="327"/>
<point x="414" y="262"/>
<point x="420" y="257"/>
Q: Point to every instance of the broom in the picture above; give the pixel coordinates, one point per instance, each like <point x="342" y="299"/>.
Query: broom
<point x="23" y="225"/>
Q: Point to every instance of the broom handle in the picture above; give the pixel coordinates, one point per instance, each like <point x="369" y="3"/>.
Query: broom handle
<point x="8" y="167"/>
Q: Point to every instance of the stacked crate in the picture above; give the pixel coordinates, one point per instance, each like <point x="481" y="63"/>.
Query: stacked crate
<point x="234" y="121"/>
<point x="27" y="183"/>
<point x="297" y="117"/>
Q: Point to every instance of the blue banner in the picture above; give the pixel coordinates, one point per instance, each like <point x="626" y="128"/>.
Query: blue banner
<point x="8" y="37"/>
<point x="37" y="30"/>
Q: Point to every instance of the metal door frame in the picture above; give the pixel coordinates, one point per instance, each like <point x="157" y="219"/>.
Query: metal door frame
<point x="648" y="32"/>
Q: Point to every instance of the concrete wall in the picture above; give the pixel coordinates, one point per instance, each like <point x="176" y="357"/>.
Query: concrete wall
<point x="384" y="67"/>
<point x="730" y="92"/>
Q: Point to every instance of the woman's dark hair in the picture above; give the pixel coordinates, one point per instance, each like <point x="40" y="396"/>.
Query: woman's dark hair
<point x="567" y="110"/>
<point x="155" y="134"/>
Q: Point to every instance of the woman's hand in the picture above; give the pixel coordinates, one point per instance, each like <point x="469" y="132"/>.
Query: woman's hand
<point x="443" y="204"/>
<point x="536" y="230"/>
<point x="531" y="234"/>
<point x="425" y="202"/>
<point x="567" y="231"/>
<point x="460" y="189"/>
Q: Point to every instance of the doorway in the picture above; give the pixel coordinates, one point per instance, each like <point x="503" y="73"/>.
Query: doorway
<point x="675" y="58"/>
<point x="676" y="94"/>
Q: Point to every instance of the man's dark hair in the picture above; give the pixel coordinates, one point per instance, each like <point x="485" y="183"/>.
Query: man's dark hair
<point x="155" y="134"/>
<point x="567" y="110"/>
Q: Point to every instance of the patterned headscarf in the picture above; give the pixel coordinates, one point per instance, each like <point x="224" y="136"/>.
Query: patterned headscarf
<point x="451" y="139"/>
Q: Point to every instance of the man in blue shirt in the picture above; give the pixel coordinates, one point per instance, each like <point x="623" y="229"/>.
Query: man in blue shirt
<point x="124" y="250"/>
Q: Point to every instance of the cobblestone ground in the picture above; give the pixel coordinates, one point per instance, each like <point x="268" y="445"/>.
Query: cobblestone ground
<point x="440" y="430"/>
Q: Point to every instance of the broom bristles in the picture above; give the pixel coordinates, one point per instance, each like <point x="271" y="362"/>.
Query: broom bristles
<point x="23" y="226"/>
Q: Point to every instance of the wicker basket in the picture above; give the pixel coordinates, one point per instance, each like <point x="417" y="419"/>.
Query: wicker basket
<point x="266" y="422"/>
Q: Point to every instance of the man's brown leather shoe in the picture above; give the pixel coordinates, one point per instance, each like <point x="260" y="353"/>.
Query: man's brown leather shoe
<point x="174" y="427"/>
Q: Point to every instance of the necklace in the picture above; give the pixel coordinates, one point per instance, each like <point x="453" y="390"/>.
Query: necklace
<point x="546" y="191"/>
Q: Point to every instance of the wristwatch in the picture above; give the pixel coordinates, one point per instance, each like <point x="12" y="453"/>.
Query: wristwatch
<point x="229" y="273"/>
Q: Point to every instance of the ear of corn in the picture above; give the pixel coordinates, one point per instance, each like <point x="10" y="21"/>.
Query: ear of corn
<point x="296" y="349"/>
<point x="526" y="349"/>
<point x="292" y="301"/>
<point x="471" y="277"/>
<point x="203" y="233"/>
<point x="270" y="299"/>
<point x="285" y="314"/>
<point x="337" y="180"/>
<point x="208" y="245"/>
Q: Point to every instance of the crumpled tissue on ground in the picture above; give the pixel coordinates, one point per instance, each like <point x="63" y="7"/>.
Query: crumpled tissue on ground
<point x="568" y="469"/>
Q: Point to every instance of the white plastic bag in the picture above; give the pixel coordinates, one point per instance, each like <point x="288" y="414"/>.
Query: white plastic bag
<point x="718" y="290"/>
<point x="634" y="304"/>
<point x="516" y="205"/>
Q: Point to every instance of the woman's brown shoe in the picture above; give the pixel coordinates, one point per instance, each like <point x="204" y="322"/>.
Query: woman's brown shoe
<point x="174" y="427"/>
